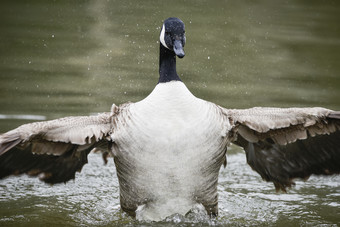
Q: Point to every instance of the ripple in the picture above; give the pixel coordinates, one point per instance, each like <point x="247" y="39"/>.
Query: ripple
<point x="23" y="117"/>
<point x="92" y="199"/>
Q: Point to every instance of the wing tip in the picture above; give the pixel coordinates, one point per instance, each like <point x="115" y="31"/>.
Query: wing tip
<point x="8" y="142"/>
<point x="282" y="187"/>
<point x="334" y="115"/>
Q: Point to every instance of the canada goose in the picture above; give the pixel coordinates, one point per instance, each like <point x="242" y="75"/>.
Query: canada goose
<point x="168" y="148"/>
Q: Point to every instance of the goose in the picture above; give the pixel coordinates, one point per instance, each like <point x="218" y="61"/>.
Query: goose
<point x="169" y="147"/>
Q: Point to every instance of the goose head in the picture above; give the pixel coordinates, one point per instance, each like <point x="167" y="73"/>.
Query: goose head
<point x="172" y="36"/>
<point x="172" y="41"/>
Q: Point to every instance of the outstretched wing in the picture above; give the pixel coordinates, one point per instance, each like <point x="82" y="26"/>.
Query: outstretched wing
<point x="53" y="150"/>
<point x="283" y="144"/>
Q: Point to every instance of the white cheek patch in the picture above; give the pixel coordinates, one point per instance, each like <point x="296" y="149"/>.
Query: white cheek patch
<point x="161" y="38"/>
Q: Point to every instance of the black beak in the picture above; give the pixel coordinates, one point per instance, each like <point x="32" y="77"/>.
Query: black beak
<point x="178" y="48"/>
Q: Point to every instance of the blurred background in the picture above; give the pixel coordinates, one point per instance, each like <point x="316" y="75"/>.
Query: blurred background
<point x="60" y="58"/>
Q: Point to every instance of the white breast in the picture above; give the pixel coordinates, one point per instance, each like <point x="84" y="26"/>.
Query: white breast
<point x="170" y="142"/>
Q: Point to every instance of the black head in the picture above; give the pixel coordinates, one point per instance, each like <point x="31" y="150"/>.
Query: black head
<point x="173" y="36"/>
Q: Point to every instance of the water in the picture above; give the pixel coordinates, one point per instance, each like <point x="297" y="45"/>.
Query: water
<point x="93" y="199"/>
<point x="61" y="58"/>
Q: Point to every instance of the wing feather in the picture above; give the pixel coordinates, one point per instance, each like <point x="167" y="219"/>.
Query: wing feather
<point x="53" y="150"/>
<point x="283" y="144"/>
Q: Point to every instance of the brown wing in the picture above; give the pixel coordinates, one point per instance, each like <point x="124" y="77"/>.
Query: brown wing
<point x="283" y="144"/>
<point x="53" y="150"/>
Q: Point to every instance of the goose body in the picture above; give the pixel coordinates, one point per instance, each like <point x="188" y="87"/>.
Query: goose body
<point x="168" y="148"/>
<point x="164" y="175"/>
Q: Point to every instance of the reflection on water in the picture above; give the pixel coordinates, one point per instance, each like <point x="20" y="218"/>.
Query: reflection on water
<point x="64" y="58"/>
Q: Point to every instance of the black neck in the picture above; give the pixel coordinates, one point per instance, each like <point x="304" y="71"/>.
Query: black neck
<point x="167" y="65"/>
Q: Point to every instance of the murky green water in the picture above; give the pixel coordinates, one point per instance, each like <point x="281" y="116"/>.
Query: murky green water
<point x="60" y="58"/>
